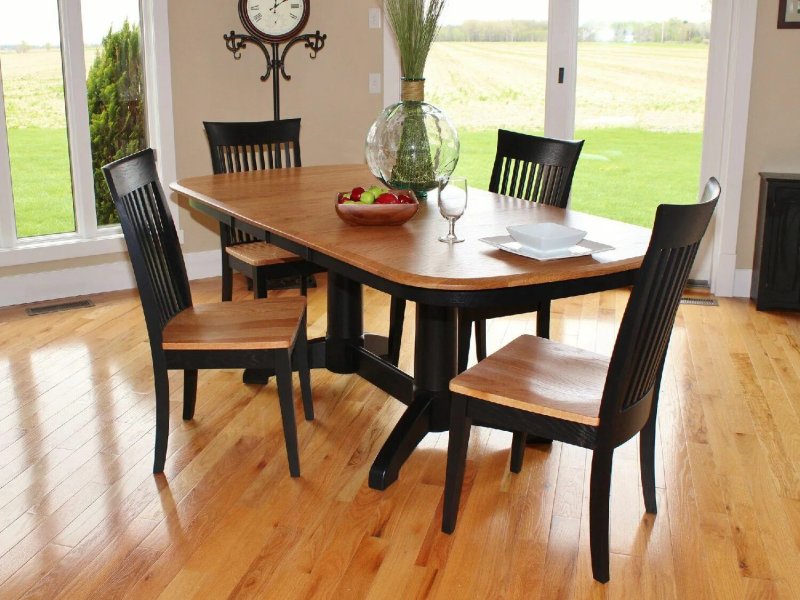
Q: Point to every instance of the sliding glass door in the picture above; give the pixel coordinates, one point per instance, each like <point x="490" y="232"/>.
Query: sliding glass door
<point x="488" y="74"/>
<point x="639" y="104"/>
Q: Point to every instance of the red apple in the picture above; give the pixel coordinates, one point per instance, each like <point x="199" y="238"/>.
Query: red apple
<point x="342" y="197"/>
<point x="387" y="198"/>
<point x="405" y="199"/>
<point x="356" y="192"/>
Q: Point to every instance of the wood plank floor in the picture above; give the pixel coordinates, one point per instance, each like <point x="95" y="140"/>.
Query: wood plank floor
<point x="82" y="516"/>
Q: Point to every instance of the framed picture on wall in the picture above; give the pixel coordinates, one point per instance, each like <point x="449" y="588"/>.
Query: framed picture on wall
<point x="789" y="14"/>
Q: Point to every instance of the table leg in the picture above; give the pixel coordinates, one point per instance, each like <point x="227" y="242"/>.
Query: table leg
<point x="434" y="365"/>
<point x="345" y="324"/>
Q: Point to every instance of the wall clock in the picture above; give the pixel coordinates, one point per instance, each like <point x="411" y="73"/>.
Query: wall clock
<point x="274" y="20"/>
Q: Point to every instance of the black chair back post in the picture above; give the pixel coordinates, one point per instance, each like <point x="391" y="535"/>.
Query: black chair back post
<point x="152" y="240"/>
<point x="534" y="168"/>
<point x="252" y="146"/>
<point x="644" y="333"/>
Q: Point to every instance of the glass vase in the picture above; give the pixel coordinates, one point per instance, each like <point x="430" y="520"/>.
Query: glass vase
<point x="412" y="144"/>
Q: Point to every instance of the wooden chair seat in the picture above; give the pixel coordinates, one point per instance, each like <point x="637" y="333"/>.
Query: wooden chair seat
<point x="261" y="254"/>
<point x="255" y="325"/>
<point x="539" y="376"/>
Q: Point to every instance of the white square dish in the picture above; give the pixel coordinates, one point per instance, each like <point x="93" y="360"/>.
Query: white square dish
<point x="546" y="237"/>
<point x="584" y="248"/>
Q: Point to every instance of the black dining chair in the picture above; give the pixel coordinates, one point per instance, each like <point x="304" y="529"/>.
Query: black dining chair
<point x="252" y="146"/>
<point x="537" y="386"/>
<point x="258" y="145"/>
<point x="260" y="333"/>
<point x="533" y="168"/>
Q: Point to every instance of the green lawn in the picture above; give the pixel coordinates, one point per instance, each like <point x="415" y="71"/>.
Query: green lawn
<point x="622" y="173"/>
<point x="41" y="181"/>
<point x="639" y="107"/>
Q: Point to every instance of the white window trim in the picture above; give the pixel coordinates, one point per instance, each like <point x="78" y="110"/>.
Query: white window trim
<point x="92" y="240"/>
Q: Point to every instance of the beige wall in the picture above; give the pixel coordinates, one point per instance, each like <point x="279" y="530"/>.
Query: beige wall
<point x="329" y="93"/>
<point x="773" y="129"/>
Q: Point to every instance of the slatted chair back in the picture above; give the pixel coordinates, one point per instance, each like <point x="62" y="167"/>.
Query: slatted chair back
<point x="151" y="238"/>
<point x="253" y="146"/>
<point x="534" y="168"/>
<point x="647" y="323"/>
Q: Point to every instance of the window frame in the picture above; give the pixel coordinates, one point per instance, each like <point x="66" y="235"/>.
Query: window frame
<point x="89" y="239"/>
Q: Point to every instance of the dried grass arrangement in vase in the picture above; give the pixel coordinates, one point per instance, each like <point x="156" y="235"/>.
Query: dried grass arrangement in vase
<point x="412" y="144"/>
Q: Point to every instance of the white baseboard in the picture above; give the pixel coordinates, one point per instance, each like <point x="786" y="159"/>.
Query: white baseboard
<point x="96" y="279"/>
<point x="82" y="281"/>
<point x="741" y="283"/>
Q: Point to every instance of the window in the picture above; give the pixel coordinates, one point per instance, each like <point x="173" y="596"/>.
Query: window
<point x="72" y="98"/>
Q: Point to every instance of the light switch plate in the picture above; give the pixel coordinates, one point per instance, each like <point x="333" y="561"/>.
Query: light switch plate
<point x="375" y="83"/>
<point x="374" y="18"/>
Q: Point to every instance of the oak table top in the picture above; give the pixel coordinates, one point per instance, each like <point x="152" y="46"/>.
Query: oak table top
<point x="297" y="204"/>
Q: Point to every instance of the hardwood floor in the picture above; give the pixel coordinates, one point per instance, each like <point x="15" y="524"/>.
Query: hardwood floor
<point x="81" y="515"/>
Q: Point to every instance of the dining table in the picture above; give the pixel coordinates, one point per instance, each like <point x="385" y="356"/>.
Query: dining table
<point x="294" y="208"/>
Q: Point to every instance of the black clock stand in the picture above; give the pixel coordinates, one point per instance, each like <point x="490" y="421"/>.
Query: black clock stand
<point x="275" y="57"/>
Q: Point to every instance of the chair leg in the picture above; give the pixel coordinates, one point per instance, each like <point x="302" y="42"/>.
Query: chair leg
<point x="517" y="451"/>
<point x="480" y="339"/>
<point x="543" y="319"/>
<point x="647" y="450"/>
<point x="301" y="362"/>
<point x="283" y="373"/>
<point x="162" y="416"/>
<point x="397" y="315"/>
<point x="189" y="393"/>
<point x="304" y="285"/>
<point x="460" y="425"/>
<point x="259" y="284"/>
<point x="464" y="335"/>
<point x="599" y="492"/>
<point x="227" y="271"/>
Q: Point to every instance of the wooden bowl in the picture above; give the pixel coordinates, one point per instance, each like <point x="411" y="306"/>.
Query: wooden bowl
<point x="378" y="214"/>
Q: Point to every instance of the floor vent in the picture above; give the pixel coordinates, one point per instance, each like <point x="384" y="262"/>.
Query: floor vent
<point x="700" y="301"/>
<point x="61" y="306"/>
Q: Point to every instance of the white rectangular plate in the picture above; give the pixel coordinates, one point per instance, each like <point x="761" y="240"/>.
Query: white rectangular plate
<point x="507" y="243"/>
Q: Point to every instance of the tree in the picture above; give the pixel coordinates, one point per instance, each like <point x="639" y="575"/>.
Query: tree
<point x="116" y="109"/>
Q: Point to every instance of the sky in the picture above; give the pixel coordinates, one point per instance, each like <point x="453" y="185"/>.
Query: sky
<point x="36" y="23"/>
<point x="457" y="11"/>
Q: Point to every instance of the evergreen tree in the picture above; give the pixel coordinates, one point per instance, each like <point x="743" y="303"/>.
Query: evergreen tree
<point x="116" y="109"/>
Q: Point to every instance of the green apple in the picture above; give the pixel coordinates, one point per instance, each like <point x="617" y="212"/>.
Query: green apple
<point x="368" y="197"/>
<point x="376" y="191"/>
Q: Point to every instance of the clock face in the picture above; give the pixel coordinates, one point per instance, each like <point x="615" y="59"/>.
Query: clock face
<point x="274" y="20"/>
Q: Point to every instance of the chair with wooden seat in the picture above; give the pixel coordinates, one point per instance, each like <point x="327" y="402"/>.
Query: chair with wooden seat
<point x="249" y="146"/>
<point x="537" y="386"/>
<point x="252" y="146"/>
<point x="259" y="333"/>
<point x="533" y="168"/>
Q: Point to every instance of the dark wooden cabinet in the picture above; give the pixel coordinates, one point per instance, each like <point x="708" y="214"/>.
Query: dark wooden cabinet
<point x="776" y="263"/>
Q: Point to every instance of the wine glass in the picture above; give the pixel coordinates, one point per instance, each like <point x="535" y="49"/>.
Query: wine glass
<point x="452" y="204"/>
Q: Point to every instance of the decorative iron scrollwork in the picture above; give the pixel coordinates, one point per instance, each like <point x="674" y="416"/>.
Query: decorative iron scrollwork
<point x="276" y="59"/>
